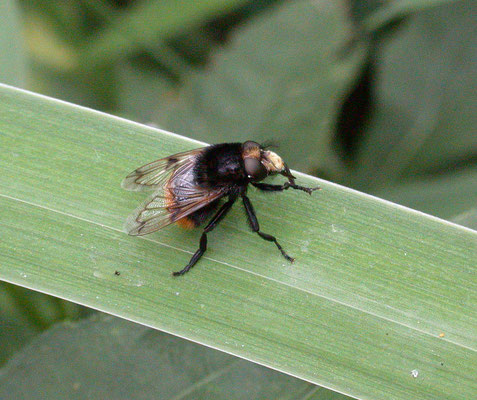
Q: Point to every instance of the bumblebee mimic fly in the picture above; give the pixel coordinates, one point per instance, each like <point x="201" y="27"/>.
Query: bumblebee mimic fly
<point x="193" y="186"/>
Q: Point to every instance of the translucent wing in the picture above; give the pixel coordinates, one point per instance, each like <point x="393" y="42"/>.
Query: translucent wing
<point x="155" y="174"/>
<point x="156" y="213"/>
<point x="177" y="194"/>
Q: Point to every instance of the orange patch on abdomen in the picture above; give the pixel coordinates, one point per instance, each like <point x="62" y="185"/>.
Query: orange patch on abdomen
<point x="186" y="223"/>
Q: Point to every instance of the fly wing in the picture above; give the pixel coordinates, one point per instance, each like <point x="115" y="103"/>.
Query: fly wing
<point x="156" y="213"/>
<point x="177" y="197"/>
<point x="156" y="174"/>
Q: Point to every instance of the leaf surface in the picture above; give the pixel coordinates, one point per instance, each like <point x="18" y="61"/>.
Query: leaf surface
<point x="377" y="291"/>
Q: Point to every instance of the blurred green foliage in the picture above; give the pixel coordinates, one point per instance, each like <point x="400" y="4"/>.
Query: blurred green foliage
<point x="378" y="95"/>
<point x="129" y="358"/>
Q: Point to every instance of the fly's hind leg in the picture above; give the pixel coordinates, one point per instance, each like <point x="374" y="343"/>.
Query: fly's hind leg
<point x="252" y="218"/>
<point x="203" y="239"/>
<point x="195" y="257"/>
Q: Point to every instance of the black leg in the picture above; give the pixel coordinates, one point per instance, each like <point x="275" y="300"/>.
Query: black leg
<point x="203" y="239"/>
<point x="252" y="218"/>
<point x="278" y="188"/>
<point x="266" y="187"/>
<point x="195" y="257"/>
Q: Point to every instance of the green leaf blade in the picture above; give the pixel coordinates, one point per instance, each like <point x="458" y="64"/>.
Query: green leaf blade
<point x="373" y="287"/>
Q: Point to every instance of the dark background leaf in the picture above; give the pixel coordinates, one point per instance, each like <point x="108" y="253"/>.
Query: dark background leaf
<point x="110" y="358"/>
<point x="424" y="100"/>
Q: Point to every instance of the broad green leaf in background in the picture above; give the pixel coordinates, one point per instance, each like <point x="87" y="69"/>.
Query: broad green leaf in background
<point x="12" y="56"/>
<point x="379" y="304"/>
<point x="281" y="79"/>
<point x="426" y="94"/>
<point x="25" y="313"/>
<point x="18" y="322"/>
<point x="444" y="195"/>
<point x="109" y="358"/>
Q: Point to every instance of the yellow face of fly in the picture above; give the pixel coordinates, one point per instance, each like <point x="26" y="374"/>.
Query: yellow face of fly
<point x="272" y="162"/>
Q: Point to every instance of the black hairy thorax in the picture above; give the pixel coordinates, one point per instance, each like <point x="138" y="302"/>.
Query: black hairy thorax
<point x="221" y="166"/>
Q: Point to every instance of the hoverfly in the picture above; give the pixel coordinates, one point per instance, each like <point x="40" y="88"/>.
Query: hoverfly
<point x="190" y="186"/>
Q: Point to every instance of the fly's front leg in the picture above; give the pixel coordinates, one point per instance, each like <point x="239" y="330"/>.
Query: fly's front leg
<point x="252" y="218"/>
<point x="266" y="187"/>
<point x="203" y="239"/>
<point x="303" y="188"/>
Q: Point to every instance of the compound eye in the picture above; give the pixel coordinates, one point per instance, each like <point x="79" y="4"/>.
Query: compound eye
<point x="255" y="169"/>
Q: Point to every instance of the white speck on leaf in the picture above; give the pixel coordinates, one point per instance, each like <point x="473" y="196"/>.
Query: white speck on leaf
<point x="304" y="246"/>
